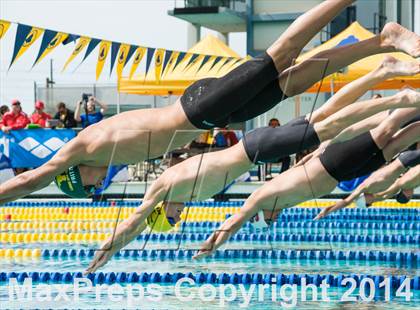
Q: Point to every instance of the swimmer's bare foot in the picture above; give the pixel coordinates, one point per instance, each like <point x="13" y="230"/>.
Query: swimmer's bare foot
<point x="392" y="67"/>
<point x="409" y="97"/>
<point x="395" y="36"/>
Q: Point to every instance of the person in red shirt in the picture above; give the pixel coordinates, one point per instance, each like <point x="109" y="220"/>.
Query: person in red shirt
<point x="15" y="119"/>
<point x="39" y="117"/>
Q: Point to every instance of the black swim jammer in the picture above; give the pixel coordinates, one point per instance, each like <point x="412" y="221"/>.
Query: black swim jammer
<point x="268" y="145"/>
<point x="244" y="93"/>
<point x="353" y="158"/>
<point x="410" y="159"/>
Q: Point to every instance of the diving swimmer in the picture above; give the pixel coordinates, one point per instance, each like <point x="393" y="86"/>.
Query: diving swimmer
<point x="320" y="175"/>
<point x="247" y="91"/>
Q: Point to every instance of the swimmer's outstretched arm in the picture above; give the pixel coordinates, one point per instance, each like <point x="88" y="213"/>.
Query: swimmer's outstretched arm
<point x="126" y="231"/>
<point x="123" y="235"/>
<point x="379" y="181"/>
<point x="226" y="230"/>
<point x="410" y="180"/>
<point x="36" y="179"/>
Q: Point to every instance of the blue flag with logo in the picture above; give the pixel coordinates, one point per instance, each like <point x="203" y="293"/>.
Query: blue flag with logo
<point x="4" y="162"/>
<point x="32" y="148"/>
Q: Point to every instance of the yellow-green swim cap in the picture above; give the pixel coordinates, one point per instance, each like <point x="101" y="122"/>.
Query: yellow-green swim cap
<point x="158" y="221"/>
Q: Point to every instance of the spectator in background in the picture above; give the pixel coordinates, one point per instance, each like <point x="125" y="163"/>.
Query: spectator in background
<point x="65" y="116"/>
<point x="39" y="117"/>
<point x="90" y="115"/>
<point x="274" y="122"/>
<point x="224" y="137"/>
<point x="3" y="110"/>
<point x="15" y="119"/>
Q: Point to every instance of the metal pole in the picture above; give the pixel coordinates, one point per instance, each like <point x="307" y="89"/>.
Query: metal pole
<point x="118" y="103"/>
<point x="51" y="73"/>
<point x="35" y="94"/>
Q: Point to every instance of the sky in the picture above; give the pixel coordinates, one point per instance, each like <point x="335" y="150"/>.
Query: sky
<point x="142" y="22"/>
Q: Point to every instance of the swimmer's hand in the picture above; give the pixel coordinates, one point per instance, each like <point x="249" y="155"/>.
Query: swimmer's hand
<point x="339" y="205"/>
<point x="101" y="257"/>
<point x="207" y="249"/>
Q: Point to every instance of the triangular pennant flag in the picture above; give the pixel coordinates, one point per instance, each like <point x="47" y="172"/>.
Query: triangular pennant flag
<point x="226" y="60"/>
<point x="234" y="63"/>
<point x="25" y="37"/>
<point x="216" y="61"/>
<point x="71" y="38"/>
<point x="192" y="60"/>
<point x="205" y="60"/>
<point x="50" y="41"/>
<point x="80" y="46"/>
<point x="131" y="51"/>
<point x="92" y="44"/>
<point x="168" y="56"/>
<point x="173" y="58"/>
<point x="122" y="58"/>
<point x="160" y="53"/>
<point x="198" y="60"/>
<point x="137" y="59"/>
<point x="4" y="26"/>
<point x="115" y="47"/>
<point x="181" y="56"/>
<point x="150" y="53"/>
<point x="103" y="53"/>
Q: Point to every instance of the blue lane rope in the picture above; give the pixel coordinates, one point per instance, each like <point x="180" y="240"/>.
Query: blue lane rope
<point x="409" y="258"/>
<point x="380" y="239"/>
<point x="211" y="278"/>
<point x="210" y="204"/>
<point x="405" y="226"/>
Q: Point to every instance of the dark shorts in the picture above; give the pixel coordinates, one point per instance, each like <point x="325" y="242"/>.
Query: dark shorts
<point x="352" y="159"/>
<point x="244" y="93"/>
<point x="269" y="145"/>
<point x="410" y="159"/>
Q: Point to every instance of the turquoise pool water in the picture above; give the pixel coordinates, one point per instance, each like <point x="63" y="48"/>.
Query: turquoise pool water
<point x="332" y="257"/>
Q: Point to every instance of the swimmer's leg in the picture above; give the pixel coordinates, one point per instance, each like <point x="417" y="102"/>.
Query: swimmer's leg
<point x="403" y="139"/>
<point x="300" y="77"/>
<point x="334" y="124"/>
<point x="385" y="135"/>
<point x="389" y="68"/>
<point x="212" y="102"/>
<point x="302" y="30"/>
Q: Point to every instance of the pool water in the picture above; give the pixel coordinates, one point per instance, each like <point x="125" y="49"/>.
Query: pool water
<point x="157" y="272"/>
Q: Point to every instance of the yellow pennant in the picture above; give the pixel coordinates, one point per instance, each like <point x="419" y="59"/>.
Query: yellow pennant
<point x="56" y="41"/>
<point x="4" y="26"/>
<point x="103" y="54"/>
<point x="171" y="62"/>
<point x="196" y="61"/>
<point x="159" y="54"/>
<point x="138" y="56"/>
<point x="80" y="46"/>
<point x="32" y="36"/>
<point x="122" y="57"/>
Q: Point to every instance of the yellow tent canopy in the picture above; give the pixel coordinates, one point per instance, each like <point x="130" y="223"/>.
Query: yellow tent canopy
<point x="355" y="33"/>
<point x="174" y="82"/>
